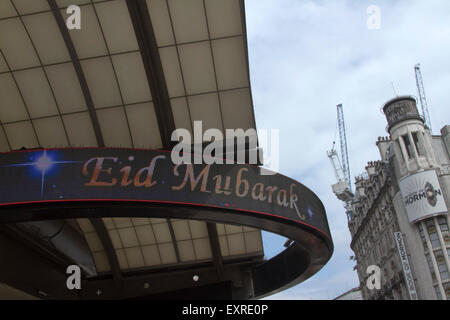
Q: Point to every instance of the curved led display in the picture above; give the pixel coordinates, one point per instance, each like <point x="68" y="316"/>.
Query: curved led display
<point x="150" y="175"/>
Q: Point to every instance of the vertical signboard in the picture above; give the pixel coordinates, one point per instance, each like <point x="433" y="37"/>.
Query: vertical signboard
<point x="409" y="279"/>
<point x="422" y="195"/>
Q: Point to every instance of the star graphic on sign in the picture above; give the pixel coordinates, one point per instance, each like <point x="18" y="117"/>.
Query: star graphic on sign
<point x="43" y="164"/>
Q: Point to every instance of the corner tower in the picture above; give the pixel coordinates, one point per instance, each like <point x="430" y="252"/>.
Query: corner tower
<point x="411" y="138"/>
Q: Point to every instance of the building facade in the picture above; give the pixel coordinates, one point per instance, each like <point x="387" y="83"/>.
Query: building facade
<point x="399" y="220"/>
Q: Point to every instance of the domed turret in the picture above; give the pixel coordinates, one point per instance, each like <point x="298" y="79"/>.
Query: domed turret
<point x="411" y="138"/>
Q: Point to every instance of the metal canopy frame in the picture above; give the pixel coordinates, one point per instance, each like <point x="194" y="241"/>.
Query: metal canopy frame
<point x="155" y="75"/>
<point x="153" y="68"/>
<point x="98" y="224"/>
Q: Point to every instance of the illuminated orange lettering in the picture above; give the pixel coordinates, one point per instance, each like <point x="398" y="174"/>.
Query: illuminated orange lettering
<point x="189" y="175"/>
<point x="258" y="192"/>
<point x="241" y="181"/>
<point x="218" y="189"/>
<point x="97" y="170"/>
<point x="126" y="174"/>
<point x="147" y="182"/>
<point x="282" y="198"/>
<point x="293" y="201"/>
<point x="271" y="190"/>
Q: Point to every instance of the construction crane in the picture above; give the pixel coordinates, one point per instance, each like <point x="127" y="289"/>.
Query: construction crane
<point x="343" y="141"/>
<point x="342" y="189"/>
<point x="422" y="97"/>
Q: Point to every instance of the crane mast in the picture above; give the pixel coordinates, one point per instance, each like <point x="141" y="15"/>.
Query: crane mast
<point x="422" y="97"/>
<point x="343" y="142"/>
<point x="342" y="189"/>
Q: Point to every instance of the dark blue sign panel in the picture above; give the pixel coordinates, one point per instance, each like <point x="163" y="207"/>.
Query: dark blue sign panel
<point x="149" y="175"/>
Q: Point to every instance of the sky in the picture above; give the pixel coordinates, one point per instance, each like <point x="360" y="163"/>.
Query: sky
<point x="307" y="56"/>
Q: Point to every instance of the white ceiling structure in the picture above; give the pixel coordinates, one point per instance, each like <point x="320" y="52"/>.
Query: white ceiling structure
<point x="147" y="242"/>
<point x="203" y="54"/>
<point x="43" y="103"/>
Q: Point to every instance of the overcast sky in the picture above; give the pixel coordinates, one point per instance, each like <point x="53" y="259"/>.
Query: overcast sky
<point x="308" y="56"/>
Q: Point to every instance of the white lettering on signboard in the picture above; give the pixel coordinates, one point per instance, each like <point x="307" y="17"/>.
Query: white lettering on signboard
<point x="409" y="279"/>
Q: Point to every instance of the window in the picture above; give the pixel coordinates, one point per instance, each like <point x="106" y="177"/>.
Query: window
<point x="422" y="236"/>
<point x="397" y="142"/>
<point x="438" y="292"/>
<point x="442" y="221"/>
<point x="393" y="268"/>
<point x="440" y="260"/>
<point x="432" y="232"/>
<point x="408" y="145"/>
<point x="417" y="143"/>
<point x="443" y="224"/>
<point x="430" y="265"/>
<point x="447" y="290"/>
<point x="434" y="238"/>
<point x="390" y="242"/>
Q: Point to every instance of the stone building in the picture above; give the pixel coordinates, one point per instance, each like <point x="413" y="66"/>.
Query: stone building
<point x="399" y="219"/>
